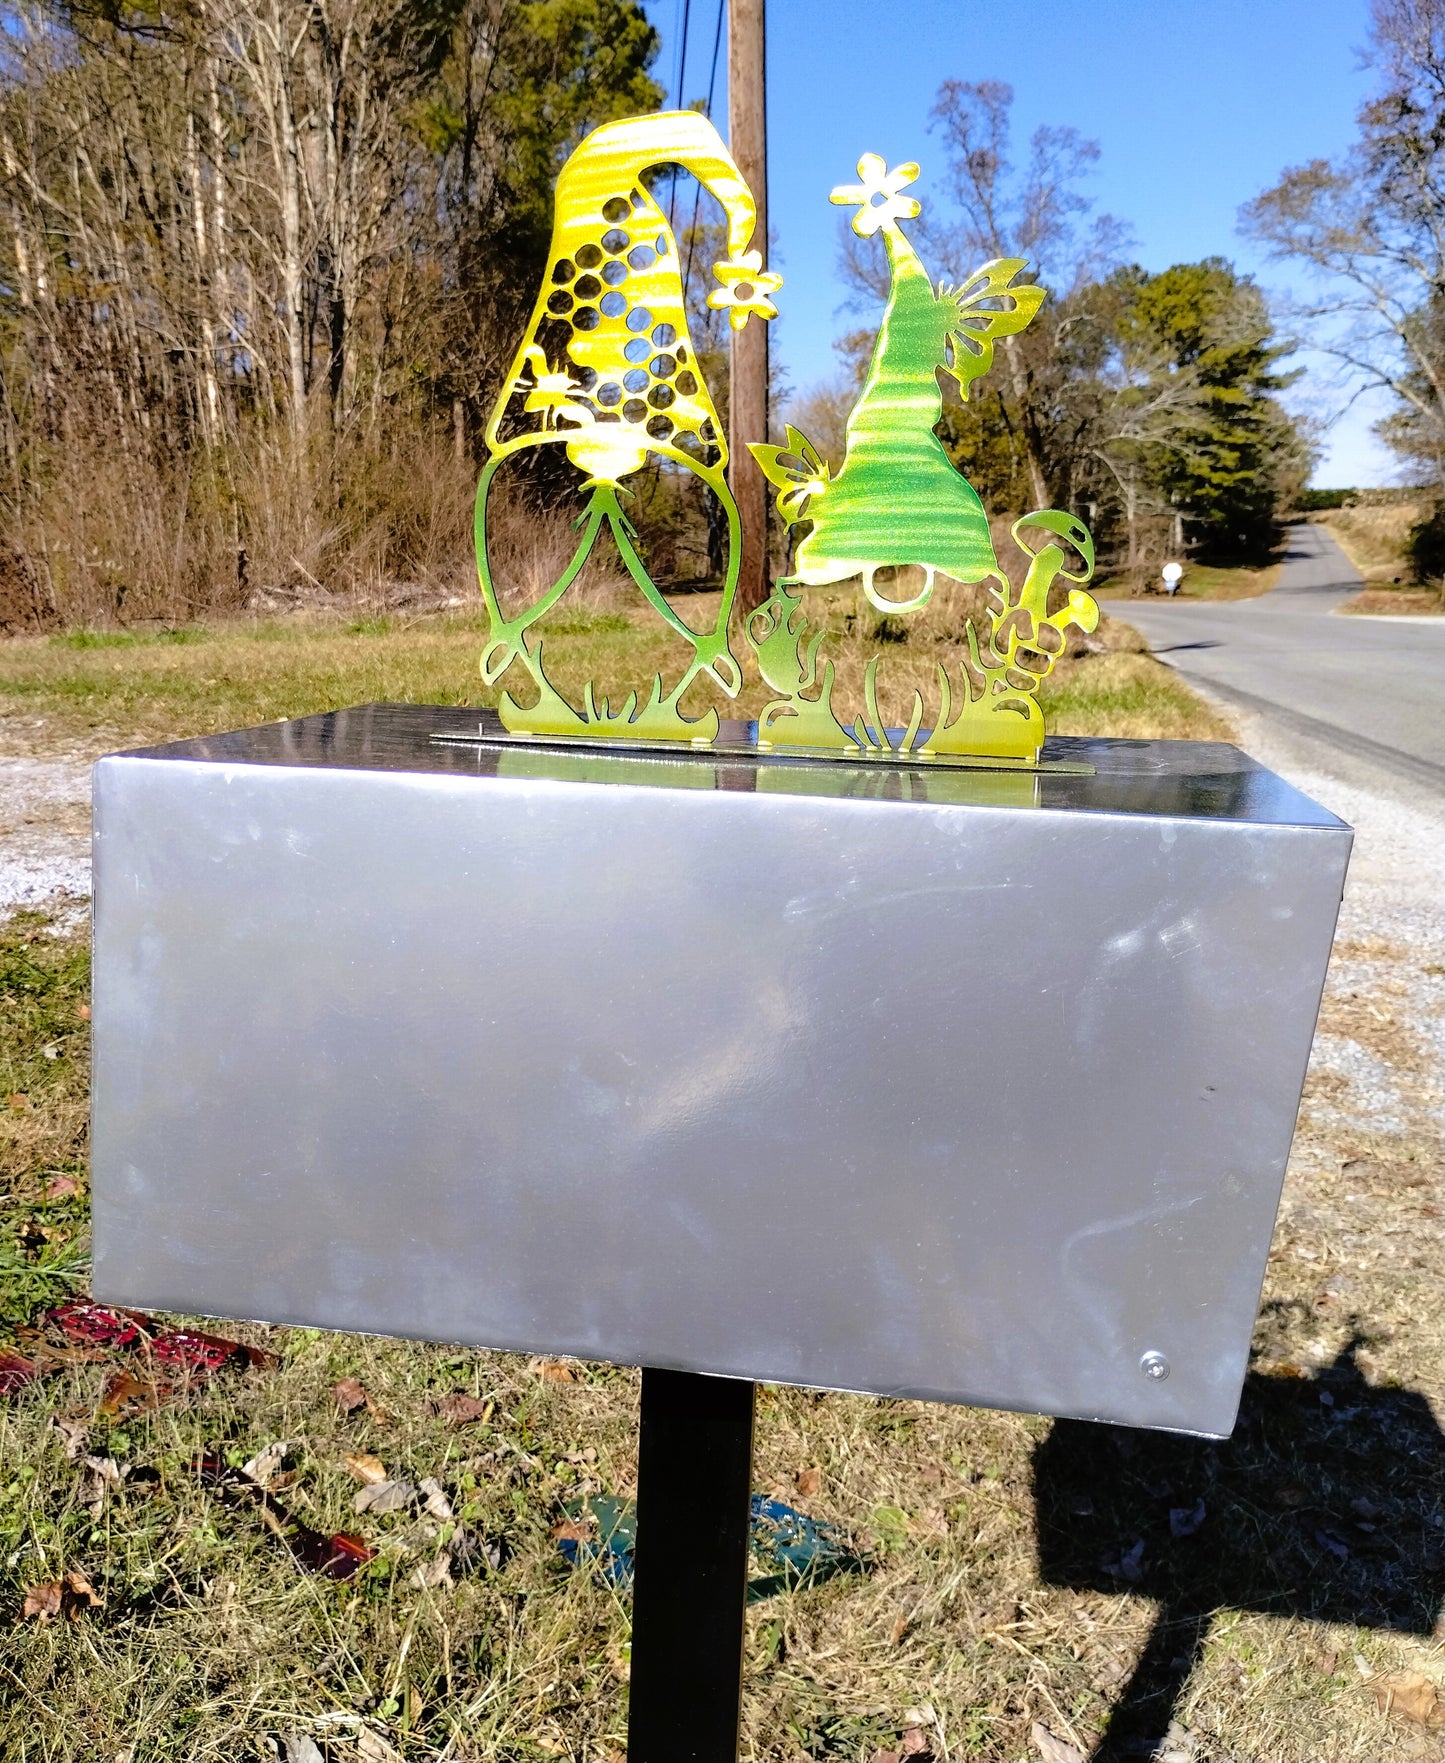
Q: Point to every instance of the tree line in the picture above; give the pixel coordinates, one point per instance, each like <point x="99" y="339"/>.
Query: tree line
<point x="263" y="264"/>
<point x="1146" y="403"/>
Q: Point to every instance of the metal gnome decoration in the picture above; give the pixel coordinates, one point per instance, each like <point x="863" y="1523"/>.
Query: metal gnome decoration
<point x="609" y="373"/>
<point x="923" y="1061"/>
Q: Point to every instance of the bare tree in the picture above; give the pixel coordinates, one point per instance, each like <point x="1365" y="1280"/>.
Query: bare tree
<point x="1041" y="214"/>
<point x="1371" y="227"/>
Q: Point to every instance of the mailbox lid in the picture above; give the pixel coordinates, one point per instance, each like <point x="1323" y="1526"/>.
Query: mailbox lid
<point x="975" y="1086"/>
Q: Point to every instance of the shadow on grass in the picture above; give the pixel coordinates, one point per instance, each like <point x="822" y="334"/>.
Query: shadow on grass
<point x="1328" y="1503"/>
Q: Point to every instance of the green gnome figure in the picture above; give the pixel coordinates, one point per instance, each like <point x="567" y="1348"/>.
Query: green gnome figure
<point x="899" y="501"/>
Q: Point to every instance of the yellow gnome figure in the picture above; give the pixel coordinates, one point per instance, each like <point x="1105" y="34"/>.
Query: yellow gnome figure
<point x="607" y="370"/>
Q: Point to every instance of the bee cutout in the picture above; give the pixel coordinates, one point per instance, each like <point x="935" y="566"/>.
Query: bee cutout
<point x="607" y="371"/>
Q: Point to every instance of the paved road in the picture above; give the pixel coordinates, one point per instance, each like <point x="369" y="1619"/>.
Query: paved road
<point x="1371" y="687"/>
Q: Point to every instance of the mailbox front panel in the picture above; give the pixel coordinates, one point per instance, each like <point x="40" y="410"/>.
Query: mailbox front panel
<point x="943" y="1092"/>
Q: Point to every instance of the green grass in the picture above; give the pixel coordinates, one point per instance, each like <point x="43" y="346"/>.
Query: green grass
<point x="1200" y="581"/>
<point x="981" y="1608"/>
<point x="116" y="688"/>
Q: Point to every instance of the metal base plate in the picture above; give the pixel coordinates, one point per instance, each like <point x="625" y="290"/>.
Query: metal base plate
<point x="737" y="739"/>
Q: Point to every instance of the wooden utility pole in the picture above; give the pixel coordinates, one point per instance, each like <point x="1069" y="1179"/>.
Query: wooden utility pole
<point x="748" y="396"/>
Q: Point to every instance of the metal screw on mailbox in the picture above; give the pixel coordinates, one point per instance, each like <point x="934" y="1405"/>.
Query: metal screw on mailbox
<point x="1155" y="1366"/>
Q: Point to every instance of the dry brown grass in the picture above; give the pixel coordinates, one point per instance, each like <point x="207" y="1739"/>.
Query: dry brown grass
<point x="1373" y="537"/>
<point x="1397" y="603"/>
<point x="1200" y="581"/>
<point x="999" y="1548"/>
<point x="110" y="688"/>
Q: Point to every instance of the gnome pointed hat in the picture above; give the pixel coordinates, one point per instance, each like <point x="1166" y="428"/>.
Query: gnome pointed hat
<point x="861" y="522"/>
<point x="607" y="363"/>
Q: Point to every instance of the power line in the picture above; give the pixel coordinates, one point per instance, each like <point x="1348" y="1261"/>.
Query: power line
<point x="681" y="105"/>
<point x="697" y="193"/>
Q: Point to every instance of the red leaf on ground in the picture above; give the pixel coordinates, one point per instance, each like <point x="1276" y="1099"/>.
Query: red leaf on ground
<point x="80" y="1320"/>
<point x="554" y="1370"/>
<point x="810" y="1482"/>
<point x="59" y="1187"/>
<point x="15" y="1372"/>
<point x="69" y="1596"/>
<point x="128" y="1394"/>
<point x="339" y="1556"/>
<point x="461" y="1409"/>
<point x="349" y="1395"/>
<point x="206" y="1353"/>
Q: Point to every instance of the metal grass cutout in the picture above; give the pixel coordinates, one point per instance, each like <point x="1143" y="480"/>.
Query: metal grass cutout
<point x="608" y="372"/>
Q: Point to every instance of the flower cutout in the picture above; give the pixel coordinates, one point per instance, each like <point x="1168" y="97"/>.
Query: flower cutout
<point x="745" y="289"/>
<point x="878" y="199"/>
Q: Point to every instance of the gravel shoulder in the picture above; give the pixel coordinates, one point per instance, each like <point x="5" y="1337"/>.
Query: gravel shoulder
<point x="44" y="823"/>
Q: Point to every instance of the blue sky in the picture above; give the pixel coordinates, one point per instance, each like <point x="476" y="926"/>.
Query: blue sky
<point x="1196" y="108"/>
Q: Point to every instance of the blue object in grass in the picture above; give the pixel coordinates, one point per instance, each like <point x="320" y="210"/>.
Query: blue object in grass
<point x="794" y="1546"/>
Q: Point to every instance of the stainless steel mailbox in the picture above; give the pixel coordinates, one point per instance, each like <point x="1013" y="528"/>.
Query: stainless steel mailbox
<point x="968" y="1085"/>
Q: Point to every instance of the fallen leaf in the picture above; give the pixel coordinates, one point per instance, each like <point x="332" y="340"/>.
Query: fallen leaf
<point x="339" y="1556"/>
<point x="461" y="1409"/>
<point x="69" y="1596"/>
<point x="1411" y="1694"/>
<point x="1128" y="1565"/>
<point x="74" y="1434"/>
<point x="201" y="1354"/>
<point x="884" y="1757"/>
<point x="348" y="1395"/>
<point x="297" y="1748"/>
<point x="900" y="1628"/>
<point x="15" y="1372"/>
<point x="434" y="1575"/>
<point x="914" y="1743"/>
<point x="1333" y="1543"/>
<point x="59" y="1187"/>
<point x="435" y="1501"/>
<point x="373" y="1748"/>
<point x="268" y="1460"/>
<point x="923" y="1715"/>
<point x="382" y="1497"/>
<point x="83" y="1012"/>
<point x="42" y="1601"/>
<point x="1185" y="1520"/>
<point x="1051" y="1748"/>
<point x="101" y="1474"/>
<point x="554" y="1370"/>
<point x="364" y="1466"/>
<point x="125" y="1393"/>
<point x="810" y="1482"/>
<point x="18" y="1101"/>
<point x="571" y="1530"/>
